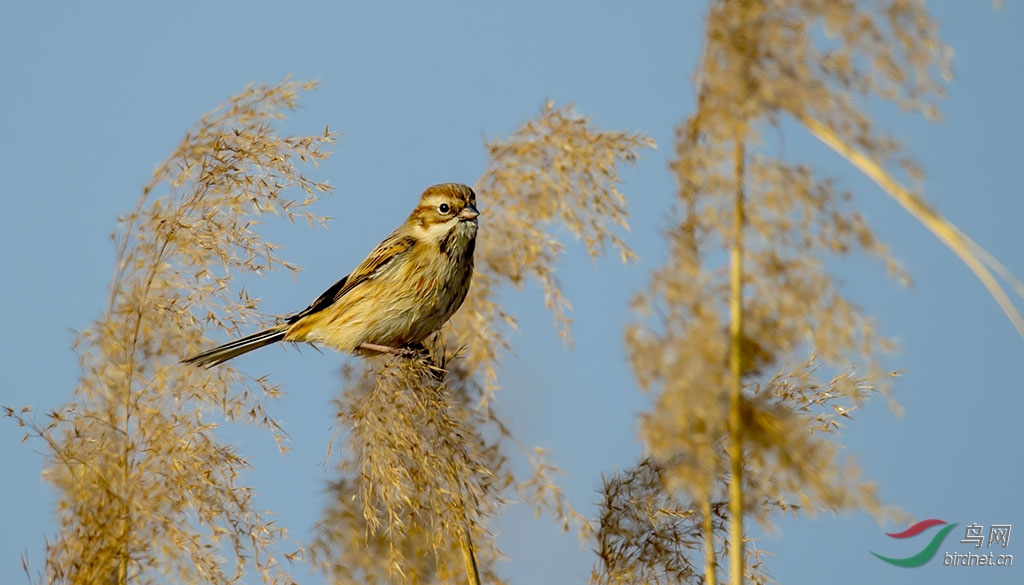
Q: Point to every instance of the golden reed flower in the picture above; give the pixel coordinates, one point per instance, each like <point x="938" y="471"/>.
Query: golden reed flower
<point x="406" y="289"/>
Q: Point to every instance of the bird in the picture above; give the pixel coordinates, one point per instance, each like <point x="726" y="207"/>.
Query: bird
<point x="403" y="291"/>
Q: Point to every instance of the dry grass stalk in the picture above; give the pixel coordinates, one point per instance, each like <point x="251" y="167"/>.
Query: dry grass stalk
<point x="981" y="263"/>
<point x="761" y="60"/>
<point x="147" y="492"/>
<point x="735" y="425"/>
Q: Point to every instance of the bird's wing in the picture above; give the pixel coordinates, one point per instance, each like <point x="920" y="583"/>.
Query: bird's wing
<point x="392" y="247"/>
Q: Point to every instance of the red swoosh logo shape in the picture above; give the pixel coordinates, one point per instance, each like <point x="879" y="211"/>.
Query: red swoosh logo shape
<point x="916" y="528"/>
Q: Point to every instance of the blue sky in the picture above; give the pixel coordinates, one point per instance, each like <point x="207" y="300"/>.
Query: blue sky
<point x="97" y="94"/>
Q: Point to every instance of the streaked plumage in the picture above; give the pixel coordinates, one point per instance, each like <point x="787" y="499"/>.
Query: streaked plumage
<point x="406" y="289"/>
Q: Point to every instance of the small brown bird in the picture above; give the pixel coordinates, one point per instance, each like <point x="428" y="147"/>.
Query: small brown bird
<point x="406" y="289"/>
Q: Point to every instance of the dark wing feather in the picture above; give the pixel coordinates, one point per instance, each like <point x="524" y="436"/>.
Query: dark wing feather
<point x="392" y="247"/>
<point x="323" y="301"/>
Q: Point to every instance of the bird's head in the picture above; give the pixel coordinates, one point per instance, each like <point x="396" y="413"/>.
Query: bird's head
<point x="445" y="211"/>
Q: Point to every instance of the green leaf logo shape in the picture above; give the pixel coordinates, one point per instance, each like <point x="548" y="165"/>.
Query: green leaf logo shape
<point x="926" y="553"/>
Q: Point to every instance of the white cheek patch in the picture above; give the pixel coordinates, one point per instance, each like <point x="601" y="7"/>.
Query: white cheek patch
<point x="438" y="230"/>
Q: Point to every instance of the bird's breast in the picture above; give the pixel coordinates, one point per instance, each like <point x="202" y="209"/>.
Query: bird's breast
<point x="424" y="292"/>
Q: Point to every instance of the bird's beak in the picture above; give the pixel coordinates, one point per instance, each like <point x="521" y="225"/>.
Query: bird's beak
<point x="469" y="213"/>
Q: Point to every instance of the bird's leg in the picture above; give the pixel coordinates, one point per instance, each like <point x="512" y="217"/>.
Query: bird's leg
<point x="378" y="348"/>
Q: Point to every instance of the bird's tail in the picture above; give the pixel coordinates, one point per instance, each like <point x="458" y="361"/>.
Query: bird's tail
<point x="223" y="353"/>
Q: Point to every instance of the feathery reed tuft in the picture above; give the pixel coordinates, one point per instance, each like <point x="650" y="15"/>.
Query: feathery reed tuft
<point x="146" y="490"/>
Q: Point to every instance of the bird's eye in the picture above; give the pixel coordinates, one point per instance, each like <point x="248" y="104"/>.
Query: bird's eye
<point x="444" y="208"/>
